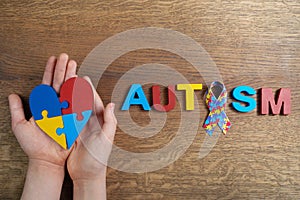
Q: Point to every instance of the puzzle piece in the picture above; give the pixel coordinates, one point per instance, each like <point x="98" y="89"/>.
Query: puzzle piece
<point x="72" y="126"/>
<point x="79" y="94"/>
<point x="44" y="97"/>
<point x="50" y="125"/>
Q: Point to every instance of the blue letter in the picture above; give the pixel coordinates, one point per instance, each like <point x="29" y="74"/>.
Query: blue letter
<point x="136" y="90"/>
<point x="237" y="94"/>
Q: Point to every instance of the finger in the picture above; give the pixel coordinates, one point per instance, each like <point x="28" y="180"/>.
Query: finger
<point x="16" y="110"/>
<point x="60" y="70"/>
<point x="71" y="69"/>
<point x="110" y="122"/>
<point x="48" y="73"/>
<point x="98" y="101"/>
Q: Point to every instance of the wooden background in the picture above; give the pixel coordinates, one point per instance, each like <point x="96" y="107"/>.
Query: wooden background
<point x="255" y="43"/>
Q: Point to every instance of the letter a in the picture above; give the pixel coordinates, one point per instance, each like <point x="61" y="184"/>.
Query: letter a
<point x="136" y="96"/>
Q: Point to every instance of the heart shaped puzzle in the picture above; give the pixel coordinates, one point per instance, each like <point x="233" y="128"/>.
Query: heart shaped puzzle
<point x="62" y="118"/>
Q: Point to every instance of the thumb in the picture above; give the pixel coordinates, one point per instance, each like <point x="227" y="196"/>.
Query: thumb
<point x="16" y="110"/>
<point x="110" y="122"/>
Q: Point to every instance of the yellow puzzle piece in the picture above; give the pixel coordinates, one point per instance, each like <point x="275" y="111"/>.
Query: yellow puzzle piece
<point x="49" y="126"/>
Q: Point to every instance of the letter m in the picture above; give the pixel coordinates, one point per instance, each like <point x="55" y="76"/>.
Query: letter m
<point x="268" y="100"/>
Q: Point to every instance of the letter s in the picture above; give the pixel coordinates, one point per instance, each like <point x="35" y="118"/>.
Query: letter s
<point x="237" y="94"/>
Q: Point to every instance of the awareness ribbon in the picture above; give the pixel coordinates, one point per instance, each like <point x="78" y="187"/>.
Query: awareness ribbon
<point x="216" y="99"/>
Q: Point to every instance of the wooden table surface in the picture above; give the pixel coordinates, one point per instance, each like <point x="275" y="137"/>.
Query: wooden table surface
<point x="255" y="43"/>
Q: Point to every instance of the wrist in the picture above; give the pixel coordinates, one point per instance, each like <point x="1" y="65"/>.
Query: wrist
<point x="46" y="167"/>
<point x="90" y="182"/>
<point x="43" y="180"/>
<point x="86" y="173"/>
<point x="45" y="164"/>
<point x="92" y="188"/>
<point x="46" y="170"/>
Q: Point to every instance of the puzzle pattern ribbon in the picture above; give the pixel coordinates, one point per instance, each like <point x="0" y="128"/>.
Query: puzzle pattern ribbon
<point x="216" y="100"/>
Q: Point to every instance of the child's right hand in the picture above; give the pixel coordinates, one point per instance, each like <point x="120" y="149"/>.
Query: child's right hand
<point x="88" y="158"/>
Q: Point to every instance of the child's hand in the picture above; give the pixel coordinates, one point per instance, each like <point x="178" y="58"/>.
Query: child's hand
<point x="46" y="158"/>
<point x="35" y="143"/>
<point x="87" y="161"/>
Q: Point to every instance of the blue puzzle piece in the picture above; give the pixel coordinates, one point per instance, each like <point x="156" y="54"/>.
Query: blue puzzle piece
<point x="44" y="97"/>
<point x="72" y="127"/>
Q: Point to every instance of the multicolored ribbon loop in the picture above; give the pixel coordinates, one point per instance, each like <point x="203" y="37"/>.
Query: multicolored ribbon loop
<point x="216" y="100"/>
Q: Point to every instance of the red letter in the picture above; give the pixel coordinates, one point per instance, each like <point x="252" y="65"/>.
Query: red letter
<point x="156" y="98"/>
<point x="284" y="98"/>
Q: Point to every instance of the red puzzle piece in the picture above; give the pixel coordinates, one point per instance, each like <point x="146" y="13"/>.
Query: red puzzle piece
<point x="79" y="94"/>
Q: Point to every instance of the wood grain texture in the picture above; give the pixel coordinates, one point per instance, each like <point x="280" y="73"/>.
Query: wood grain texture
<point x="255" y="43"/>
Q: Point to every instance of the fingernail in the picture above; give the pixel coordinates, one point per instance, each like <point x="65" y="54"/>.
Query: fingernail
<point x="112" y="106"/>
